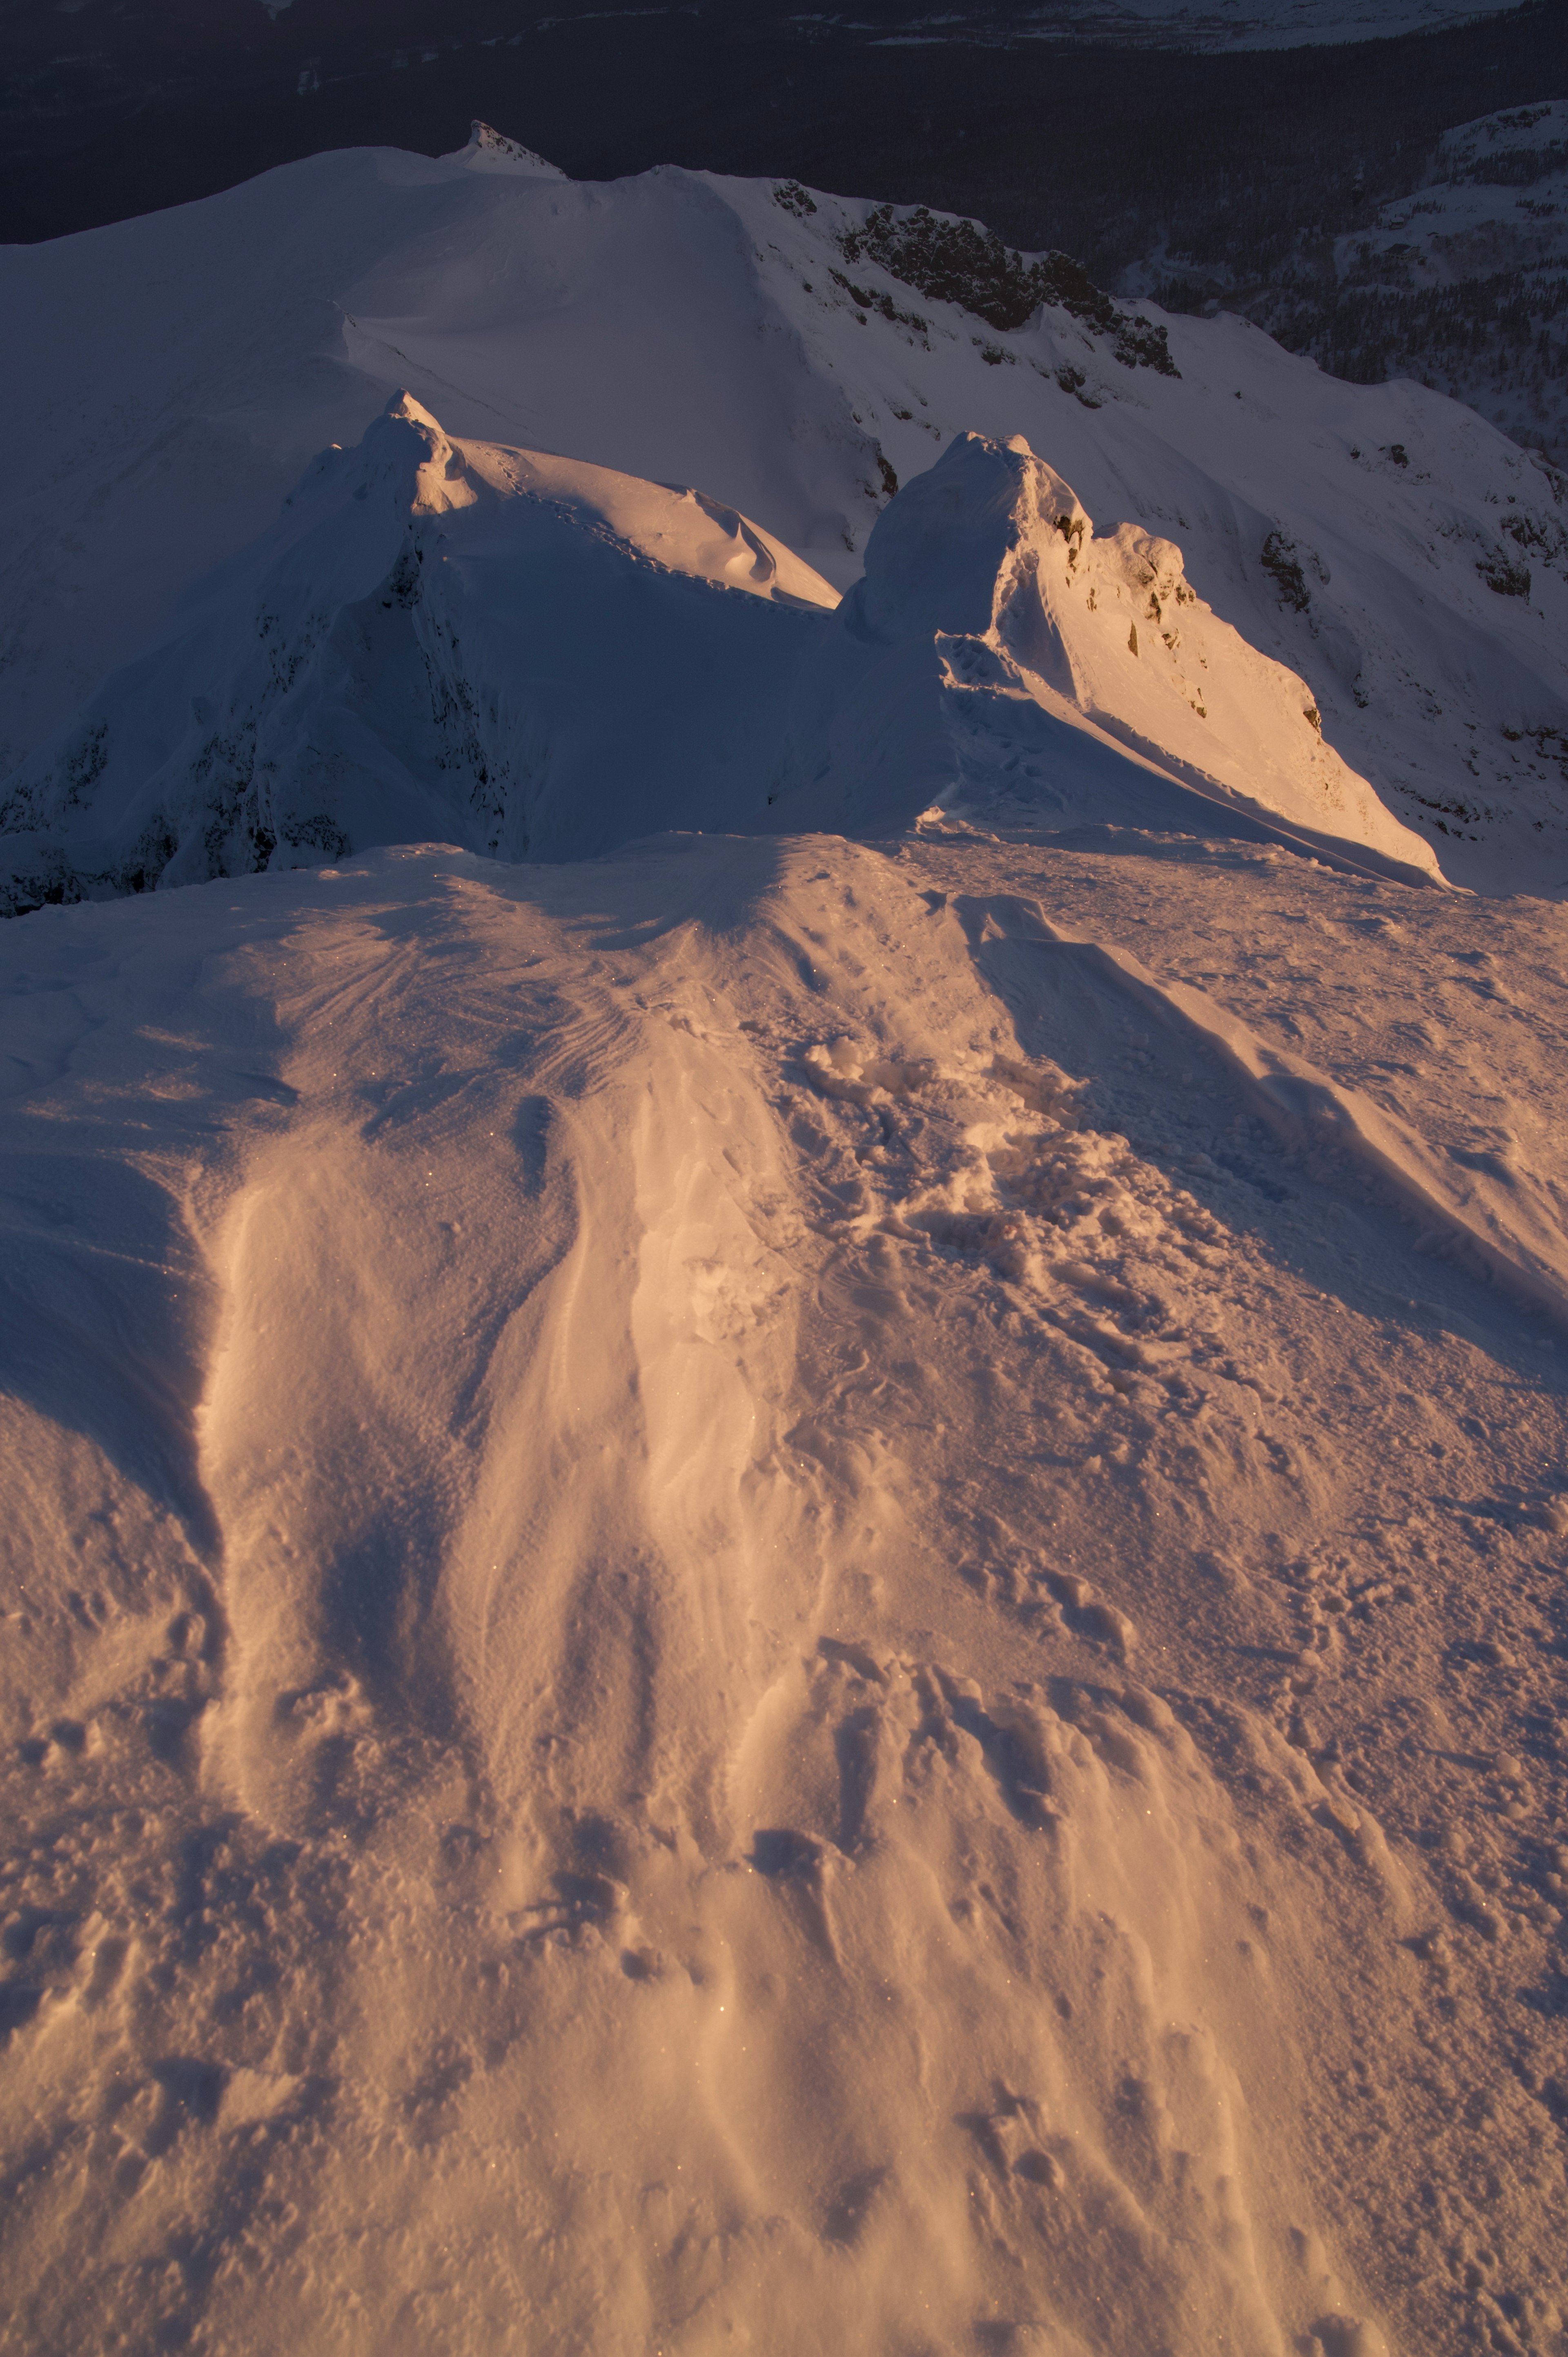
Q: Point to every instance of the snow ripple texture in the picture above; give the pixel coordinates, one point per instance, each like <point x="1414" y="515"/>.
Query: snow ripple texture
<point x="737" y="1616"/>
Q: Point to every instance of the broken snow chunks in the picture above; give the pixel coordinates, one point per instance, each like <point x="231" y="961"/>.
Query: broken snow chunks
<point x="842" y="1069"/>
<point x="1112" y="1628"/>
<point x="1339" y="1812"/>
<point x="898" y="1078"/>
<point x="1043" y="1086"/>
<point x="1113" y="1742"/>
<point x="1356" y="2337"/>
<point x="840" y="1080"/>
<point x="1034" y="1740"/>
<point x="1159" y="1719"/>
<point x="1345" y="2336"/>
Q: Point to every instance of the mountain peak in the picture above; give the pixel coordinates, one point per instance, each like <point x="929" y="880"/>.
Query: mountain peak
<point x="489" y="150"/>
<point x="407" y="443"/>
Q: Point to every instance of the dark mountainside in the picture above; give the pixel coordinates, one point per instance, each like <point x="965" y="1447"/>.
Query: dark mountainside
<point x="1235" y="172"/>
<point x="1097" y="151"/>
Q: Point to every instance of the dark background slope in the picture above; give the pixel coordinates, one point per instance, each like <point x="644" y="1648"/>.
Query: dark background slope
<point x="1107" y="153"/>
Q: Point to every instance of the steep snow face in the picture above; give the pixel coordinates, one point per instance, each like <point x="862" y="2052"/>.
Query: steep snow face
<point x="1030" y="653"/>
<point x="548" y="658"/>
<point x="176" y="375"/>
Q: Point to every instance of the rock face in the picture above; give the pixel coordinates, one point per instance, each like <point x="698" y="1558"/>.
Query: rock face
<point x="454" y="641"/>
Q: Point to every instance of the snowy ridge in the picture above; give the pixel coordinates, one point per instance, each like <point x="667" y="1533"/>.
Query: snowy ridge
<point x="435" y="638"/>
<point x="990" y="563"/>
<point x="456" y="636"/>
<point x="681" y="328"/>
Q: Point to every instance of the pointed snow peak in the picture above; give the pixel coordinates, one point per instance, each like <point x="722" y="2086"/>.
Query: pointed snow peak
<point x="938" y="559"/>
<point x="406" y="448"/>
<point x="489" y="150"/>
<point x="993" y="547"/>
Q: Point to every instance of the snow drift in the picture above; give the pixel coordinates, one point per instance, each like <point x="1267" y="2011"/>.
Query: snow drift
<point x="544" y="659"/>
<point x="735" y="1619"/>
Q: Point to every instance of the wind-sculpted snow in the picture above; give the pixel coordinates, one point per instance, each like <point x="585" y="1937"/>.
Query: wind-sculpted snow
<point x="741" y="1611"/>
<point x="174" y="376"/>
<point x="547" y="659"/>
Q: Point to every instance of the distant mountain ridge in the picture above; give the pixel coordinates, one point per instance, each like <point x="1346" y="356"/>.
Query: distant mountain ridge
<point x="1397" y="557"/>
<point x="1461" y="282"/>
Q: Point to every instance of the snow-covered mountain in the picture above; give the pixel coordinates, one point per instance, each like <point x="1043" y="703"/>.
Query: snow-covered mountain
<point x="1460" y="280"/>
<point x="783" y="1430"/>
<point x="1471" y="269"/>
<point x="795" y="357"/>
<point x="542" y="660"/>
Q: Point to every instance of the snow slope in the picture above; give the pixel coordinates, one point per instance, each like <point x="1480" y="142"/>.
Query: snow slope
<point x="545" y="659"/>
<point x="178" y="373"/>
<point x="755" y="1599"/>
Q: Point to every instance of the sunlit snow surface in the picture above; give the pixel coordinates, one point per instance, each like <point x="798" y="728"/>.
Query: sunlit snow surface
<point x="743" y="1611"/>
